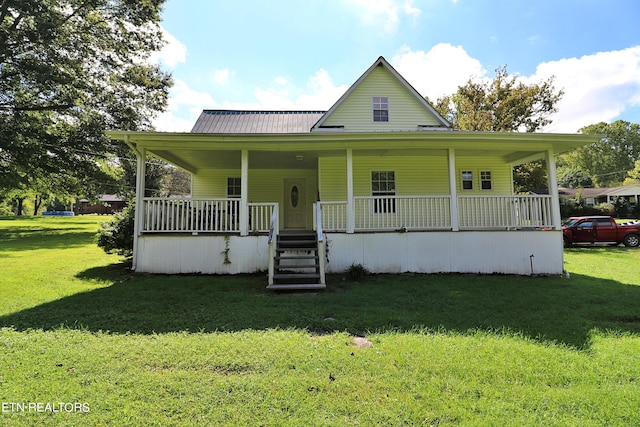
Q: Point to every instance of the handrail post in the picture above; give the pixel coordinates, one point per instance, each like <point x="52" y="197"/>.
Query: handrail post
<point x="321" y="242"/>
<point x="273" y="235"/>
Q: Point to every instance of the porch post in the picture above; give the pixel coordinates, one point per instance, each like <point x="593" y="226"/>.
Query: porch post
<point x="453" y="191"/>
<point x="351" y="214"/>
<point x="553" y="189"/>
<point x="244" y="196"/>
<point x="141" y="170"/>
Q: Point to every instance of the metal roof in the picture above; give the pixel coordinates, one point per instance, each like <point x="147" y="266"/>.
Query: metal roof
<point x="238" y="121"/>
<point x="600" y="192"/>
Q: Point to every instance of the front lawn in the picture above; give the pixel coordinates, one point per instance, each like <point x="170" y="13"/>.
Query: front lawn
<point x="80" y="328"/>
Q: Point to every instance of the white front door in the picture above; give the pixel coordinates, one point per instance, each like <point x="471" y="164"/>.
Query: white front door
<point x="295" y="203"/>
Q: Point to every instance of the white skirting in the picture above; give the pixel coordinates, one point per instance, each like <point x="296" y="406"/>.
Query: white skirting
<point x="505" y="252"/>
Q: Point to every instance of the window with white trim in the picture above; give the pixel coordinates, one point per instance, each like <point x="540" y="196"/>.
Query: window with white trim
<point x="485" y="180"/>
<point x="466" y="180"/>
<point x="380" y="108"/>
<point x="233" y="188"/>
<point x="383" y="183"/>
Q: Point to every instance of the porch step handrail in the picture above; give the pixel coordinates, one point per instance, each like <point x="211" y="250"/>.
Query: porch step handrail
<point x="321" y="242"/>
<point x="274" y="230"/>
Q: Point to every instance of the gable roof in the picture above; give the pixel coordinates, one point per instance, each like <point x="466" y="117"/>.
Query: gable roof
<point x="248" y="122"/>
<point x="381" y="62"/>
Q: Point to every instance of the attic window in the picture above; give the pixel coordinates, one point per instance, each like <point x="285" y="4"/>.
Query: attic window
<point x="380" y="108"/>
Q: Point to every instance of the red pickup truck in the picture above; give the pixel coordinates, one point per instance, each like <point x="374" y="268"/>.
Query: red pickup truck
<point x="600" y="230"/>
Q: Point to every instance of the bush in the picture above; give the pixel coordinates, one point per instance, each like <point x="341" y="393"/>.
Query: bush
<point x="116" y="236"/>
<point x="356" y="272"/>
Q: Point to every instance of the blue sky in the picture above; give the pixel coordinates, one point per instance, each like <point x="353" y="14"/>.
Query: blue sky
<point x="303" y="54"/>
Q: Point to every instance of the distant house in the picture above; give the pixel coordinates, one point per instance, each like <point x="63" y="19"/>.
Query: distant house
<point x="596" y="196"/>
<point x="380" y="179"/>
<point x="104" y="205"/>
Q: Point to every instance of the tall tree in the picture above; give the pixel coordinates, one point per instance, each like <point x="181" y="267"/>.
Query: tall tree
<point x="608" y="160"/>
<point x="69" y="70"/>
<point x="633" y="176"/>
<point x="505" y="104"/>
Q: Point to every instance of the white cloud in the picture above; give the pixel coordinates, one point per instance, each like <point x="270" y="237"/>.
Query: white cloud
<point x="320" y="93"/>
<point x="185" y="105"/>
<point x="384" y="14"/>
<point x="597" y="87"/>
<point x="439" y="71"/>
<point x="172" y="53"/>
<point x="280" y="81"/>
<point x="222" y="76"/>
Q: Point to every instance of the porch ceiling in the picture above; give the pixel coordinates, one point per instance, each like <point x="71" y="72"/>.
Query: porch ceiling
<point x="194" y="152"/>
<point x="194" y="160"/>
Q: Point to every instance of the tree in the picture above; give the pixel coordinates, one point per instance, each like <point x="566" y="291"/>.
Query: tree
<point x="633" y="176"/>
<point x="608" y="160"/>
<point x="530" y="176"/>
<point x="505" y="105"/>
<point x="502" y="105"/>
<point x="175" y="182"/>
<point x="69" y="70"/>
<point x="573" y="177"/>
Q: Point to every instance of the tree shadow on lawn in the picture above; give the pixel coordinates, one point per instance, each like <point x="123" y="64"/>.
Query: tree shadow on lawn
<point x="547" y="309"/>
<point x="43" y="238"/>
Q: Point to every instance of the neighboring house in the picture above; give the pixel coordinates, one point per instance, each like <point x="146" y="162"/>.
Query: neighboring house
<point x="105" y="204"/>
<point x="381" y="178"/>
<point x="596" y="196"/>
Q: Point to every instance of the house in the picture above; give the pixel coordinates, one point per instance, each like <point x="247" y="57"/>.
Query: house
<point x="596" y="196"/>
<point x="380" y="179"/>
<point x="104" y="205"/>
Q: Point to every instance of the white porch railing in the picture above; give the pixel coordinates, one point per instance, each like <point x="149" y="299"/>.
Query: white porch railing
<point x="384" y="213"/>
<point x="260" y="217"/>
<point x="333" y="216"/>
<point x="487" y="212"/>
<point x="169" y="215"/>
<point x="402" y="213"/>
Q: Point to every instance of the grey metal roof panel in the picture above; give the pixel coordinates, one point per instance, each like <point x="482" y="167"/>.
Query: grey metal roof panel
<point x="240" y="121"/>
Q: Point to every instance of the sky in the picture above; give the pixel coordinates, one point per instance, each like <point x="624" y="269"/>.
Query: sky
<point x="304" y="54"/>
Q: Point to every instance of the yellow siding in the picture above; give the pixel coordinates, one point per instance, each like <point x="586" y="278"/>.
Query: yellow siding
<point x="265" y="185"/>
<point x="356" y="113"/>
<point x="333" y="178"/>
<point x="415" y="175"/>
<point x="212" y="182"/>
<point x="501" y="175"/>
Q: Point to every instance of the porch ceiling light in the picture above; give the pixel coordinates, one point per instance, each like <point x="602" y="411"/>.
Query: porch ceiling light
<point x="299" y="157"/>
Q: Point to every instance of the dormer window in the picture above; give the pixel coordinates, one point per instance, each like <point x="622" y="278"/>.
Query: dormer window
<point x="380" y="108"/>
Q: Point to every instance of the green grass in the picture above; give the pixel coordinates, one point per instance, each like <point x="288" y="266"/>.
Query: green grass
<point x="139" y="349"/>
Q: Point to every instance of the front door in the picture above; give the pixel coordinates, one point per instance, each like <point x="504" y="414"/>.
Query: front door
<point x="295" y="203"/>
